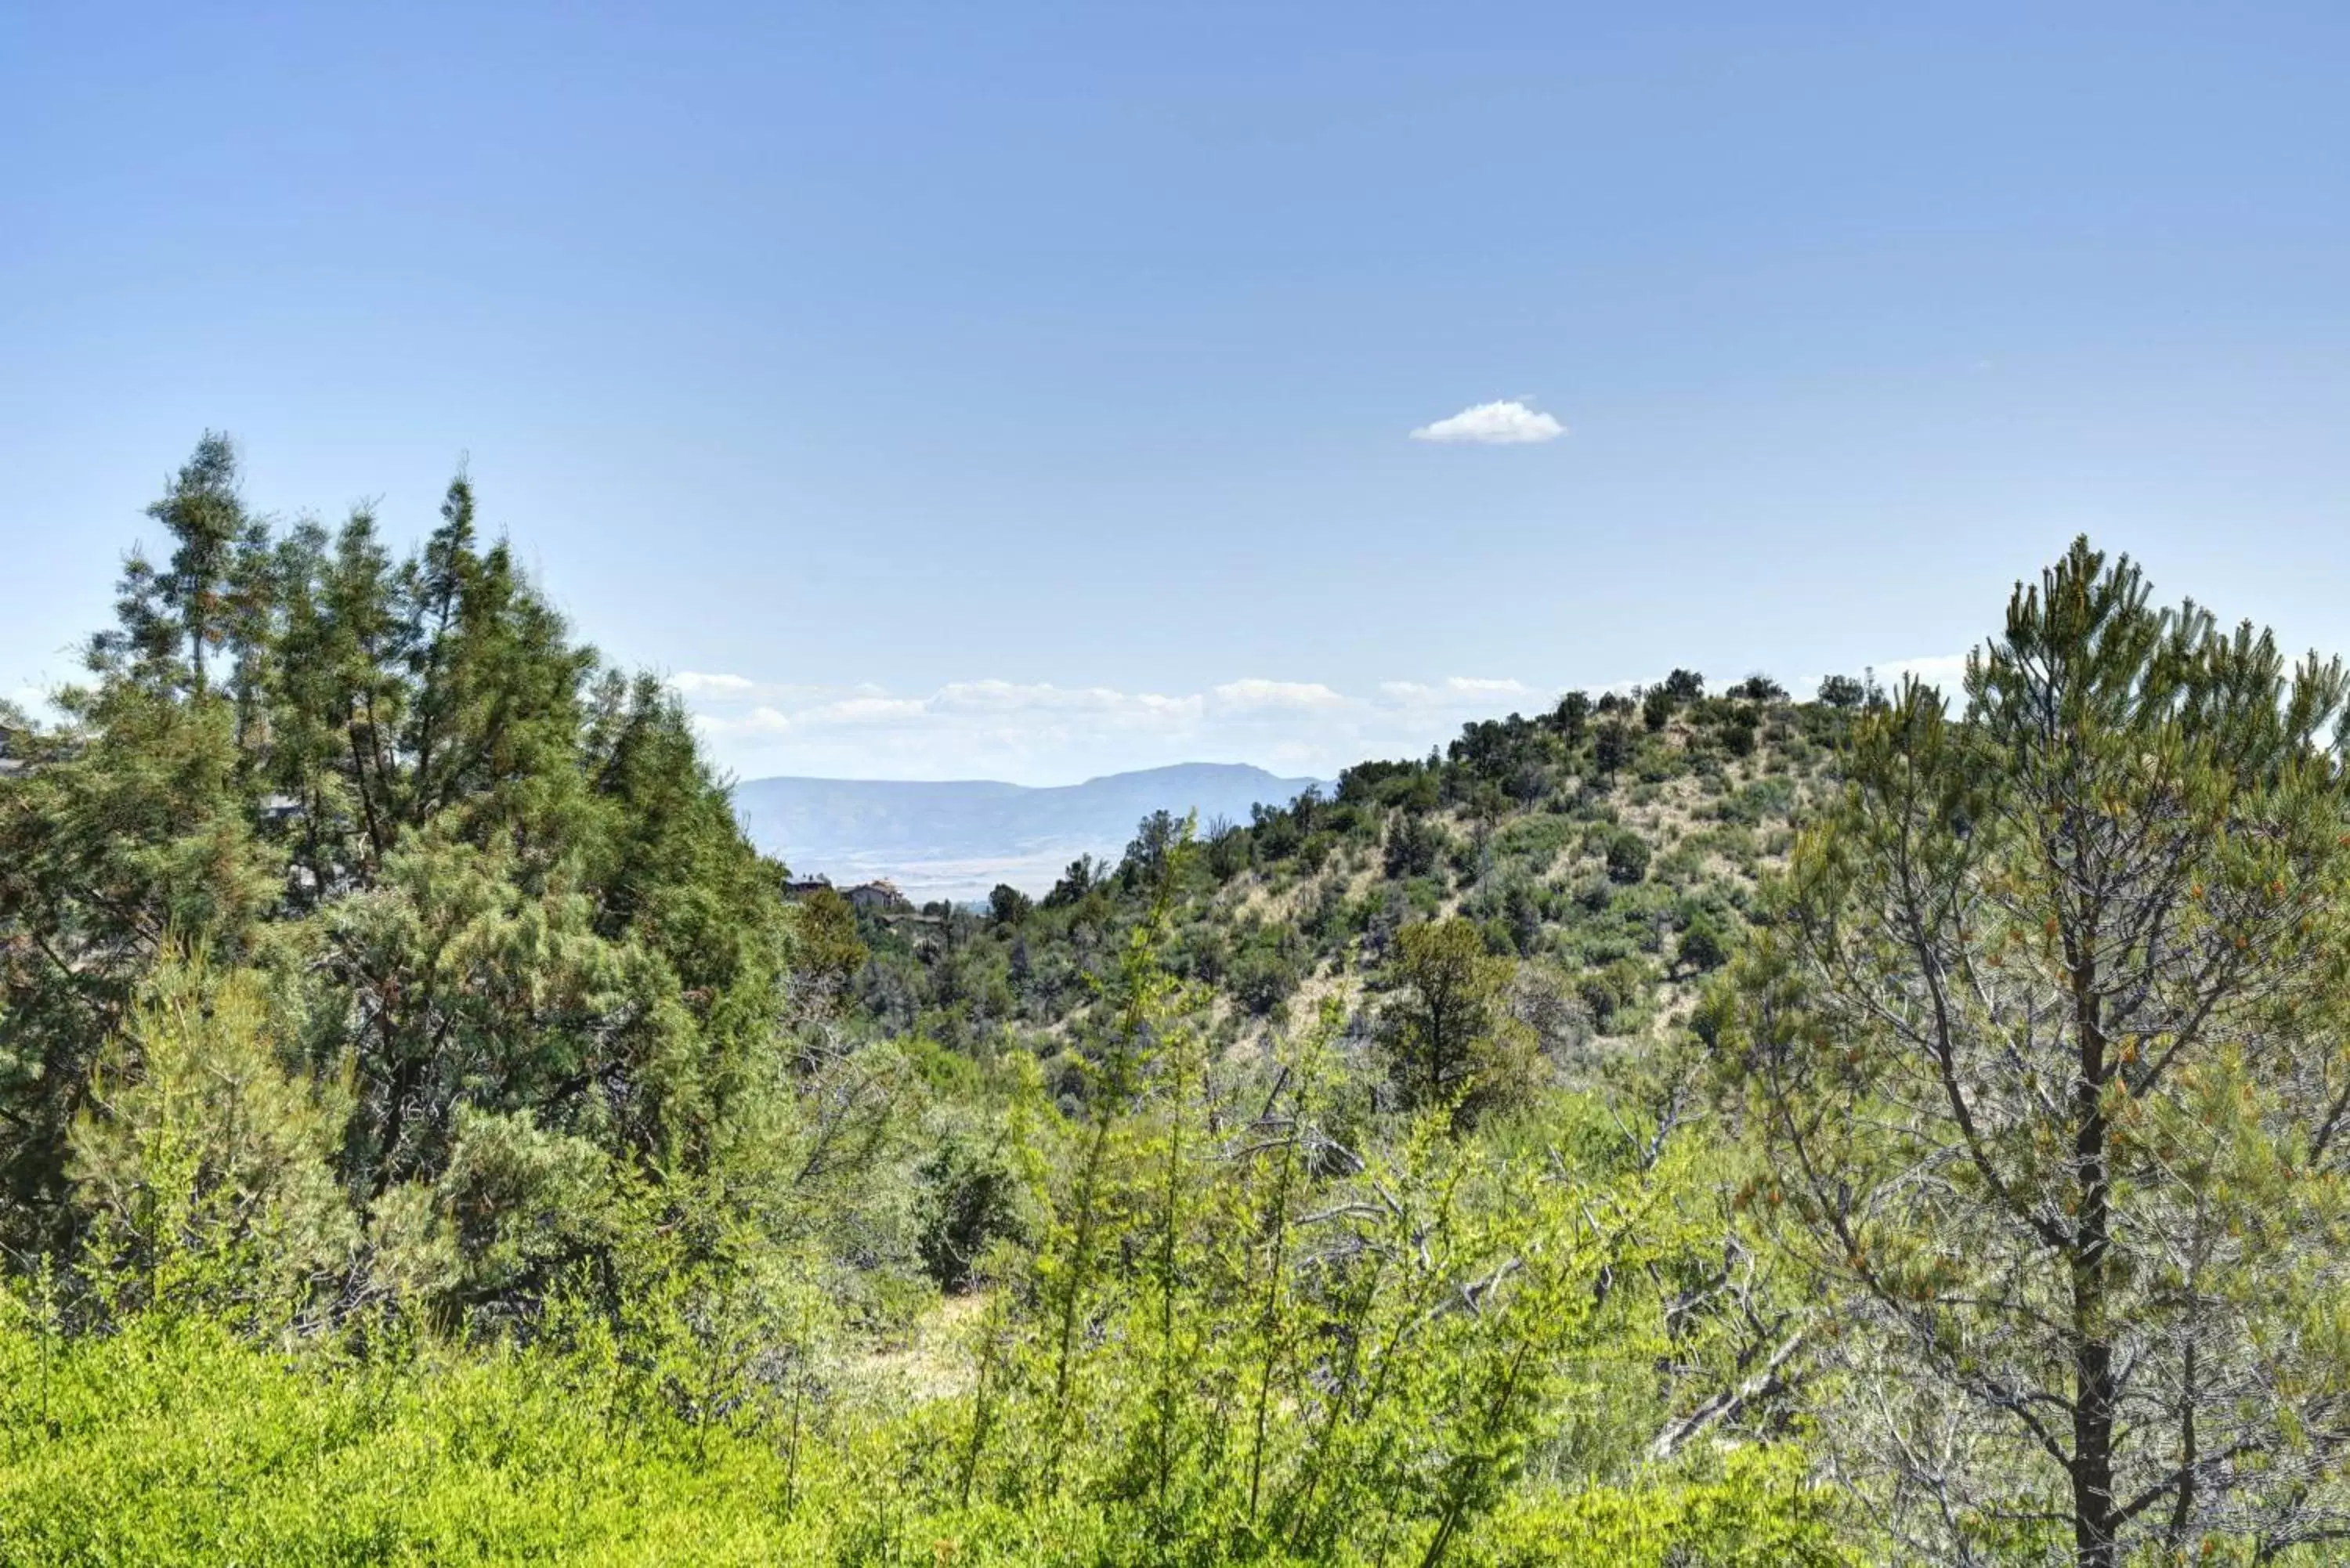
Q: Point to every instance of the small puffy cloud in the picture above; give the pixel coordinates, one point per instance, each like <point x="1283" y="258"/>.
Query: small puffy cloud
<point x="1457" y="690"/>
<point x="1505" y="423"/>
<point x="760" y="721"/>
<point x="693" y="683"/>
<point x="1251" y="694"/>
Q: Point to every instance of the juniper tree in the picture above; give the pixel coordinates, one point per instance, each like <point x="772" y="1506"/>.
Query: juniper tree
<point x="1450" y="1034"/>
<point x="2044" y="1042"/>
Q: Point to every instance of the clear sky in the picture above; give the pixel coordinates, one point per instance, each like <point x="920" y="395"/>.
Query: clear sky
<point x="1027" y="390"/>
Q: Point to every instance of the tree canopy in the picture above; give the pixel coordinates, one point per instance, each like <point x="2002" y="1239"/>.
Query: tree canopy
<point x="487" y="885"/>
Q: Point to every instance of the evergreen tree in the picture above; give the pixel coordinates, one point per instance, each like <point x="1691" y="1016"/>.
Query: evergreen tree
<point x="498" y="892"/>
<point x="205" y="518"/>
<point x="2045" y="1041"/>
<point x="1452" y="1041"/>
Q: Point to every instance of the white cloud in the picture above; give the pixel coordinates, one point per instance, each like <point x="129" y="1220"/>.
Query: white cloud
<point x="866" y="711"/>
<point x="691" y="683"/>
<point x="1505" y="423"/>
<point x="1015" y="697"/>
<point x="1243" y="695"/>
<point x="1475" y="690"/>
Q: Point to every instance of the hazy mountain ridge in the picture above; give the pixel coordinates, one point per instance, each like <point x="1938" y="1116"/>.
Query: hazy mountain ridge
<point x="957" y="839"/>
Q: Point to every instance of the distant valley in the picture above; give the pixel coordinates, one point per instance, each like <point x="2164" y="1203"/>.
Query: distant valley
<point x="957" y="839"/>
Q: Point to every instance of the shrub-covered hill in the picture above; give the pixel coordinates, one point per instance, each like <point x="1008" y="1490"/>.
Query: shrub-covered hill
<point x="1607" y="854"/>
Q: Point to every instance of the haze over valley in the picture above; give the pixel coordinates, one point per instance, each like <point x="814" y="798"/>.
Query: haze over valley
<point x="956" y="840"/>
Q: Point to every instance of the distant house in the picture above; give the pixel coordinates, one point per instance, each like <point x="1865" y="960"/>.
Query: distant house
<point x="10" y="762"/>
<point x="880" y="897"/>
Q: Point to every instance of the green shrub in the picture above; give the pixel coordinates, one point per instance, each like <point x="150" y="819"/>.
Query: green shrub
<point x="1627" y="858"/>
<point x="969" y="1196"/>
<point x="1414" y="845"/>
<point x="1702" y="946"/>
<point x="1754" y="1508"/>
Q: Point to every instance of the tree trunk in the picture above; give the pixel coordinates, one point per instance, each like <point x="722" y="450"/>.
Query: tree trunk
<point x="2094" y="1514"/>
<point x="2092" y="1454"/>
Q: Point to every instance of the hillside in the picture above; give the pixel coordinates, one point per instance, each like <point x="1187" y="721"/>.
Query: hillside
<point x="956" y="840"/>
<point x="1610" y="850"/>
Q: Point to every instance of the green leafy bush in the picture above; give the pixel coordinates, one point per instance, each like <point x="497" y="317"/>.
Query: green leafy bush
<point x="1627" y="856"/>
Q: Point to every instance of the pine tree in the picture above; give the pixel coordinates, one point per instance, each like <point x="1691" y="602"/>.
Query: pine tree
<point x="205" y="518"/>
<point x="2044" y="1040"/>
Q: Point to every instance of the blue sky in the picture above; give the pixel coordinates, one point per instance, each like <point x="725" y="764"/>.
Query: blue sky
<point x="1027" y="390"/>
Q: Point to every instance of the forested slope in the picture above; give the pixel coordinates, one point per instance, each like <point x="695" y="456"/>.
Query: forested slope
<point x="1600" y="862"/>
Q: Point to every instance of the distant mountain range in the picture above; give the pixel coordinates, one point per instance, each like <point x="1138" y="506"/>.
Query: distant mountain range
<point x="958" y="840"/>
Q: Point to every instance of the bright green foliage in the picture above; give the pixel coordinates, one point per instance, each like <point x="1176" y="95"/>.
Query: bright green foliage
<point x="1236" y="1339"/>
<point x="1298" y="1352"/>
<point x="175" y="1443"/>
<point x="206" y="1158"/>
<point x="1758" y="1510"/>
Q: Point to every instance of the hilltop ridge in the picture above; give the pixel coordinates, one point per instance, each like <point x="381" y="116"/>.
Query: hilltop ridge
<point x="1611" y="848"/>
